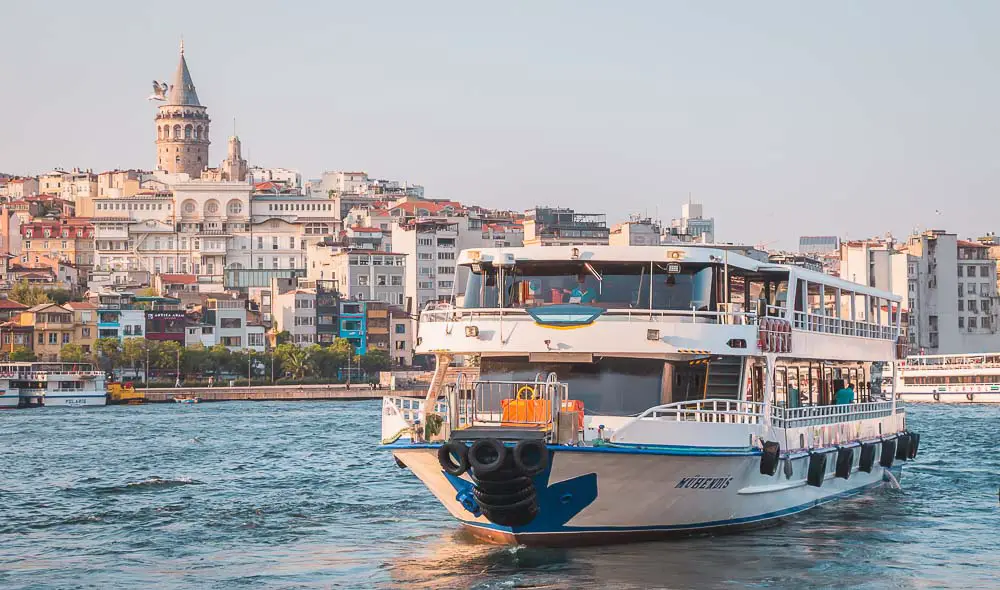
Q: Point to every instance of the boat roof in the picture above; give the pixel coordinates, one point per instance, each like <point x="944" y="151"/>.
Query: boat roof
<point x="665" y="253"/>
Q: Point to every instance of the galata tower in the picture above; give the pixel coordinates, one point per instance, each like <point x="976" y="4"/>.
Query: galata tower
<point x="182" y="126"/>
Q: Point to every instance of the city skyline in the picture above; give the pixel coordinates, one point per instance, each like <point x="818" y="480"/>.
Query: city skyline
<point x="784" y="122"/>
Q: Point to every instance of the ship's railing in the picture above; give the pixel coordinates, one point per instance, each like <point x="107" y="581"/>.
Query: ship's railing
<point x="720" y="411"/>
<point x="819" y="415"/>
<point x="833" y="325"/>
<point x="412" y="408"/>
<point x="728" y="411"/>
<point x="510" y="403"/>
<point x="456" y="314"/>
<point x="953" y="367"/>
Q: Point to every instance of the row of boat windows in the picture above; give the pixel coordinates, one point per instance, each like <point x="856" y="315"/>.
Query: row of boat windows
<point x="952" y="380"/>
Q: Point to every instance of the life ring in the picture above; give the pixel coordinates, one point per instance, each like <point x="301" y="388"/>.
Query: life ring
<point x="969" y="396"/>
<point x="937" y="396"/>
<point x="524" y="388"/>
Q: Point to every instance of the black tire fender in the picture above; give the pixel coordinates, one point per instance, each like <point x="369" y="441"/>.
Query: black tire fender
<point x="454" y="449"/>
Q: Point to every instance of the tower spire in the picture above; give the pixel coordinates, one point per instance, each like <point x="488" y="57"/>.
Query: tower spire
<point x="182" y="44"/>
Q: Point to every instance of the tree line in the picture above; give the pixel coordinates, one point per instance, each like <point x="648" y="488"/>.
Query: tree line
<point x="168" y="360"/>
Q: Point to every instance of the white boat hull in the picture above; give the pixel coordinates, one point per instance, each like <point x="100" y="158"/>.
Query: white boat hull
<point x="600" y="495"/>
<point x="951" y="397"/>
<point x="8" y="400"/>
<point x="74" y="400"/>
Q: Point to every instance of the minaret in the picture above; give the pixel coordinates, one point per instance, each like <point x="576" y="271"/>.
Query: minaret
<point x="182" y="127"/>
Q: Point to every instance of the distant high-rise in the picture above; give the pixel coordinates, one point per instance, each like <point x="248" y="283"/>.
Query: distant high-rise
<point x="818" y="244"/>
<point x="182" y="126"/>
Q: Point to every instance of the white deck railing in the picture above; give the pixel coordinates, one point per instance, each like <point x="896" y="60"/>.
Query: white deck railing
<point x="834" y="325"/>
<point x="727" y="411"/>
<point x="819" y="415"/>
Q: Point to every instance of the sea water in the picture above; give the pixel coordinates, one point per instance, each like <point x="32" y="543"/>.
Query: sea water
<point x="297" y="495"/>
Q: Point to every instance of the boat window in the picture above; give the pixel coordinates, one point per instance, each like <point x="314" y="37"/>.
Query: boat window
<point x="625" y="285"/>
<point x="608" y="386"/>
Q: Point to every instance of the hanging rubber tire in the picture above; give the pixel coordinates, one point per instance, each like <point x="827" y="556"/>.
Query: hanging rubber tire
<point x="769" y="458"/>
<point x="903" y="447"/>
<point x="448" y="452"/>
<point x="486" y="456"/>
<point x="969" y="396"/>
<point x="845" y="461"/>
<point x="508" y="486"/>
<point x="531" y="457"/>
<point x="937" y="396"/>
<point x="914" y="443"/>
<point x="888" y="453"/>
<point x="494" y="500"/>
<point x="867" y="459"/>
<point x="817" y="469"/>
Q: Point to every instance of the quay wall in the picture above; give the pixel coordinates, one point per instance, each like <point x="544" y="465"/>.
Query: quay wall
<point x="274" y="393"/>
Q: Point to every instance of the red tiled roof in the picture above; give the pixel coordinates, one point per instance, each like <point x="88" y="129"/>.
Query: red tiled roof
<point x="80" y="305"/>
<point x="11" y="304"/>
<point x="968" y="244"/>
<point x="179" y="279"/>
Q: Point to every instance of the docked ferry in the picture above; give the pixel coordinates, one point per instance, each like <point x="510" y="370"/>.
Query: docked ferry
<point x="950" y="378"/>
<point x="630" y="393"/>
<point x="51" y="384"/>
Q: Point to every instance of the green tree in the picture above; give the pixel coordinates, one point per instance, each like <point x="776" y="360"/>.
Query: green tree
<point x="294" y="360"/>
<point x="60" y="296"/>
<point x="134" y="351"/>
<point x="29" y="295"/>
<point x="282" y="337"/>
<point x="22" y="354"/>
<point x="109" y="353"/>
<point x="163" y="355"/>
<point x="375" y="360"/>
<point x="72" y="353"/>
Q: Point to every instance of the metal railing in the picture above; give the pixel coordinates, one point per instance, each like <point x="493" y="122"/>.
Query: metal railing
<point x="819" y="415"/>
<point x="834" y="325"/>
<point x="719" y="411"/>
<point x="510" y="403"/>
<point x="727" y="411"/>
<point x="457" y="314"/>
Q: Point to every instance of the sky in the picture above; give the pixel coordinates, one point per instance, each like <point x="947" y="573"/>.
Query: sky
<point x="783" y="118"/>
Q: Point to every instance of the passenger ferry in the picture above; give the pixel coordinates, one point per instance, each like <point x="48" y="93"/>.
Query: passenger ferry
<point x="629" y="393"/>
<point x="950" y="378"/>
<point x="51" y="384"/>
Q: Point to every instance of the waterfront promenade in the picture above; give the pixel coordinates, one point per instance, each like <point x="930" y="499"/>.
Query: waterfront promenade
<point x="336" y="391"/>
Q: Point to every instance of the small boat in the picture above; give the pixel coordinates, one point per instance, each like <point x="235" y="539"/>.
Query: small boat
<point x="186" y="399"/>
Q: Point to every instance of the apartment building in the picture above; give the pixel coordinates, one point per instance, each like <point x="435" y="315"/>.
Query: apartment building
<point x="84" y="324"/>
<point x="44" y="241"/>
<point x="637" y="231"/>
<point x="552" y="226"/>
<point x="295" y="312"/>
<point x="53" y="329"/>
<point x="365" y="275"/>
<point x="691" y="226"/>
<point x="948" y="287"/>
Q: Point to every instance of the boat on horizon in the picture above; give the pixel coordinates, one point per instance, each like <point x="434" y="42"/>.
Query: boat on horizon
<point x="51" y="384"/>
<point x="950" y="378"/>
<point x="603" y="394"/>
<point x="186" y="399"/>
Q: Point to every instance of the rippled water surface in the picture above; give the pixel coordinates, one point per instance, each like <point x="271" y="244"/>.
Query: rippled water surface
<point x="295" y="495"/>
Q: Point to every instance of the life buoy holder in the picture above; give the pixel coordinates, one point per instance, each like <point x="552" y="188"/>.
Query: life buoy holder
<point x="526" y="388"/>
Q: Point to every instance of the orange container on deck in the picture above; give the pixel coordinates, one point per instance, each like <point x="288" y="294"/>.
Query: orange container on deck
<point x="532" y="411"/>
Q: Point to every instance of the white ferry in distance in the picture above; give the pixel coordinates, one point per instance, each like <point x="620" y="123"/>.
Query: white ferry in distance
<point x="950" y="378"/>
<point x="629" y="393"/>
<point x="26" y="384"/>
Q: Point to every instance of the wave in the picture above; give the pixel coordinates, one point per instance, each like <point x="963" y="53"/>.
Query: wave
<point x="151" y="483"/>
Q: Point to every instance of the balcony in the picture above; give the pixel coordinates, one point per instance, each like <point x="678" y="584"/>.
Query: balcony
<point x="212" y="247"/>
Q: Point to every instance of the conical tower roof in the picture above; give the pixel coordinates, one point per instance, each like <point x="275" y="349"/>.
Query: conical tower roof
<point x="182" y="92"/>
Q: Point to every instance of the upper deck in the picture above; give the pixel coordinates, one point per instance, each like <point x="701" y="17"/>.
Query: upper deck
<point x="655" y="302"/>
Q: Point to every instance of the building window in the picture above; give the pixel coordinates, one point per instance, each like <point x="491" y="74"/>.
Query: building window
<point x="961" y="305"/>
<point x="65" y="338"/>
<point x="971" y="289"/>
<point x="53" y="338"/>
<point x="230" y="323"/>
<point x="972" y="323"/>
<point x="380" y="280"/>
<point x="400" y="345"/>
<point x="401" y="328"/>
<point x="362" y="280"/>
<point x="960" y="270"/>
<point x="446" y="270"/>
<point x="961" y="290"/>
<point x="984" y="271"/>
<point x="396" y="281"/>
<point x="961" y="322"/>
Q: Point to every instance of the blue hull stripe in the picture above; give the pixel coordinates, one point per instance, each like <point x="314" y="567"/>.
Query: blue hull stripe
<point x="569" y="530"/>
<point x="643" y="450"/>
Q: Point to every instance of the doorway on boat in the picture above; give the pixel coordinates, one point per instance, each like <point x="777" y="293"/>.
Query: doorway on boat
<point x="709" y="377"/>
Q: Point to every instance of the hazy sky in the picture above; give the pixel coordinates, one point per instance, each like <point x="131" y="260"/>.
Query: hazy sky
<point x="783" y="118"/>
